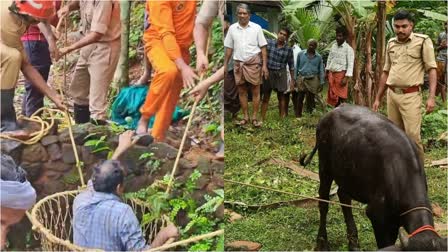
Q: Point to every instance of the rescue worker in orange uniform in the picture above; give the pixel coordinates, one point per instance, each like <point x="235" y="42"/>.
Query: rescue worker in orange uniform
<point x="15" y="17"/>
<point x="167" y="43"/>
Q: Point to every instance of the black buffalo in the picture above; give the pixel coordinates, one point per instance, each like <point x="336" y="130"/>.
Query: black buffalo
<point x="373" y="162"/>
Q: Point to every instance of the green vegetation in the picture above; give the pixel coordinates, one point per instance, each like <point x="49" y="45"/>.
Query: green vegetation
<point x="202" y="218"/>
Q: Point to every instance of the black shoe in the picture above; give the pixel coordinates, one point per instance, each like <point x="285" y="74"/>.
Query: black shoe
<point x="82" y="113"/>
<point x="7" y="112"/>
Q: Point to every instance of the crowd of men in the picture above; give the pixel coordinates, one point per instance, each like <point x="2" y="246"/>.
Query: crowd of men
<point x="261" y="66"/>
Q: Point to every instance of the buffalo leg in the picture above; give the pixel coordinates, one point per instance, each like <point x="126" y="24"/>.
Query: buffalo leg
<point x="324" y="193"/>
<point x="352" y="232"/>
<point x="384" y="227"/>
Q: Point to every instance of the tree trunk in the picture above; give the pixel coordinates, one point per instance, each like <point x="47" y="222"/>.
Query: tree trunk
<point x="368" y="67"/>
<point x="380" y="44"/>
<point x="122" y="71"/>
<point x="356" y="80"/>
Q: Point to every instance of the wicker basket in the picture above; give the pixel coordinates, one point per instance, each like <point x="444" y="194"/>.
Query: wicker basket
<point x="52" y="220"/>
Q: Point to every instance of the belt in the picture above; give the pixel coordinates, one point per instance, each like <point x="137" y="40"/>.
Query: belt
<point x="405" y="90"/>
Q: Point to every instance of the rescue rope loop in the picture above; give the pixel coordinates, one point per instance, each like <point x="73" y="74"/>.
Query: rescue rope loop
<point x="416" y="209"/>
<point x="423" y="228"/>
<point x="294" y="194"/>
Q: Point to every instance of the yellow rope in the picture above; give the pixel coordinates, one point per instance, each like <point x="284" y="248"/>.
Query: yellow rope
<point x="184" y="137"/>
<point x="295" y="194"/>
<point x="67" y="116"/>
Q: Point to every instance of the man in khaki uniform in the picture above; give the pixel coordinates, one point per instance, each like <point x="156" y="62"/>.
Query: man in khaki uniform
<point x="408" y="55"/>
<point x="15" y="17"/>
<point x="99" y="54"/>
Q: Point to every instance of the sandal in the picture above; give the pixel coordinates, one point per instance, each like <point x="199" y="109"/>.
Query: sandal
<point x="242" y="122"/>
<point x="256" y="123"/>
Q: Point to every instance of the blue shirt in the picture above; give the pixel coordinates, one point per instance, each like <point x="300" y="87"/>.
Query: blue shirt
<point x="102" y="221"/>
<point x="310" y="67"/>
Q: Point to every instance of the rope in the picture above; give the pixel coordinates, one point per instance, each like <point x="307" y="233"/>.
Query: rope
<point x="187" y="241"/>
<point x="67" y="116"/>
<point x="414" y="209"/>
<point x="294" y="194"/>
<point x="184" y="137"/>
<point x="424" y="228"/>
<point x="35" y="136"/>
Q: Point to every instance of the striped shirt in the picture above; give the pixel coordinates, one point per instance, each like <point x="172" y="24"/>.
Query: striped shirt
<point x="341" y="58"/>
<point x="278" y="57"/>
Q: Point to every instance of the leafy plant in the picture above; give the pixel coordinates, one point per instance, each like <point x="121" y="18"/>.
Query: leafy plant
<point x="98" y="145"/>
<point x="202" y="219"/>
<point x="434" y="124"/>
<point x="151" y="161"/>
<point x="212" y="128"/>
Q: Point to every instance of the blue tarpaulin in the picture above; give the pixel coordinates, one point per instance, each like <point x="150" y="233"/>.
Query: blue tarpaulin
<point x="126" y="107"/>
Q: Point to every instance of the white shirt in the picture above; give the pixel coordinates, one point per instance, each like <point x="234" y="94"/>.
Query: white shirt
<point x="295" y="51"/>
<point x="341" y="58"/>
<point x="245" y="41"/>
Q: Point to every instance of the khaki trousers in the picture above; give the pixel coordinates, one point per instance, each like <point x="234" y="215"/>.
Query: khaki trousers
<point x="11" y="62"/>
<point x="93" y="75"/>
<point x="404" y="111"/>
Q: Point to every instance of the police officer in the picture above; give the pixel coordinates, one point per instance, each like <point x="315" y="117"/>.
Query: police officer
<point x="408" y="56"/>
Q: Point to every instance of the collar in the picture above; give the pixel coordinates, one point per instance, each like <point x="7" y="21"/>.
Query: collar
<point x="343" y="44"/>
<point x="410" y="38"/>
<point x="240" y="27"/>
<point x="105" y="196"/>
<point x="315" y="53"/>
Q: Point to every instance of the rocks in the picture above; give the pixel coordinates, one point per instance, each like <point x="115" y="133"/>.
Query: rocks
<point x="68" y="156"/>
<point x="53" y="187"/>
<point x="57" y="166"/>
<point x="34" y="153"/>
<point x="79" y="134"/>
<point x="243" y="246"/>
<point x="33" y="170"/>
<point x="215" y="183"/>
<point x="163" y="150"/>
<point x="54" y="152"/>
<point x="202" y="182"/>
<point x="233" y="216"/>
<point x="166" y="168"/>
<point x="86" y="155"/>
<point x="204" y="165"/>
<point x="47" y="140"/>
<point x="185" y="164"/>
<point x="218" y="167"/>
<point x="9" y="146"/>
<point x="136" y="183"/>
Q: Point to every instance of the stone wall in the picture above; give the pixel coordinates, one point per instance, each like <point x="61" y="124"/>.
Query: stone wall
<point x="51" y="168"/>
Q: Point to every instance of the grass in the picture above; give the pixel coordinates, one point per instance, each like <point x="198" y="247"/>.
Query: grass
<point x="289" y="227"/>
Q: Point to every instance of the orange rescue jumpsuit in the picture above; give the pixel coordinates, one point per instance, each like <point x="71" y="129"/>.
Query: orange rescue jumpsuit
<point x="168" y="38"/>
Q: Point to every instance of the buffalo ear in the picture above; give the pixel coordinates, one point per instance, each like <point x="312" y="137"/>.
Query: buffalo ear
<point x="404" y="240"/>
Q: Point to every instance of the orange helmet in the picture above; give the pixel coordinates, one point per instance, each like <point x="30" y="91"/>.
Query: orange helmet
<point x="43" y="9"/>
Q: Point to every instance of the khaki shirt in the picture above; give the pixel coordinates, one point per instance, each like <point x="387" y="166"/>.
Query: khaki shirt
<point x="12" y="28"/>
<point x="102" y="16"/>
<point x="209" y="10"/>
<point x="407" y="62"/>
